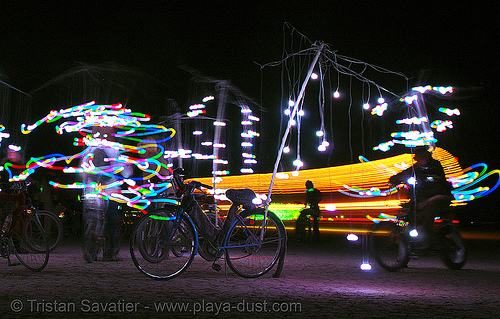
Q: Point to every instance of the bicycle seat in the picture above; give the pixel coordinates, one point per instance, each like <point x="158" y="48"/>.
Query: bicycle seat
<point x="242" y="197"/>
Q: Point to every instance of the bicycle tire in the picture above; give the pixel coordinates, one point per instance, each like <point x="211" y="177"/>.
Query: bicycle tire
<point x="388" y="246"/>
<point x="29" y="243"/>
<point x="245" y="253"/>
<point x="53" y="226"/>
<point x="163" y="244"/>
<point x="453" y="251"/>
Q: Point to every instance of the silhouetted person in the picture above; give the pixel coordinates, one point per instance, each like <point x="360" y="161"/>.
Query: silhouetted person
<point x="313" y="197"/>
<point x="432" y="192"/>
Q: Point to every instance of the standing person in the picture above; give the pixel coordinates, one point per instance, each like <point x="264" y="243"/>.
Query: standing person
<point x="313" y="197"/>
<point x="432" y="192"/>
<point x="102" y="217"/>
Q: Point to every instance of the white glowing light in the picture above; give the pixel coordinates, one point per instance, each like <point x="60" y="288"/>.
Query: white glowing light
<point x="411" y="181"/>
<point x="247" y="155"/>
<point x="295" y="173"/>
<point x="320" y="133"/>
<point x="197" y="132"/>
<point x="330" y="207"/>
<point x="286" y="149"/>
<point x="197" y="106"/>
<point x="253" y="118"/>
<point x="219" y="145"/>
<point x="336" y="94"/>
<point x="293" y="122"/>
<point x="365" y="267"/>
<point x="246" y="144"/>
<point x="250" y="161"/>
<point x="366" y="106"/>
<point x="414" y="233"/>
<point x="217" y="123"/>
<point x="300" y="113"/>
<point x="298" y="163"/>
<point x="322" y="148"/>
<point x="257" y="201"/>
<point x="246" y="110"/>
<point x="352" y="237"/>
<point x="246" y="122"/>
<point x="208" y="98"/>
<point x="291" y="103"/>
<point x="288" y="112"/>
<point x="206" y="143"/>
<point x="282" y="176"/>
<point x="246" y="171"/>
<point x="380" y="100"/>
<point x="314" y="76"/>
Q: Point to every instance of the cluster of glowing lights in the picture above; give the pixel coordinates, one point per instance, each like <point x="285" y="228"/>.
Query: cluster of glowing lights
<point x="137" y="138"/>
<point x="449" y="112"/>
<point x="441" y="126"/>
<point x="441" y="89"/>
<point x="379" y="109"/>
<point x="424" y="136"/>
<point x="247" y="136"/>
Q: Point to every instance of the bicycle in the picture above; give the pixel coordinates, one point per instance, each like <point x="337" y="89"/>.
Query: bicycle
<point x="251" y="241"/>
<point x="392" y="244"/>
<point x="22" y="233"/>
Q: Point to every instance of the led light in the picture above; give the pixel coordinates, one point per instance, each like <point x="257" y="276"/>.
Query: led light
<point x="246" y="171"/>
<point x="282" y="176"/>
<point x="300" y="113"/>
<point x="218" y="123"/>
<point x="411" y="181"/>
<point x="246" y="123"/>
<point x="257" y="201"/>
<point x="219" y="145"/>
<point x="286" y="149"/>
<point x="380" y="100"/>
<point x="298" y="163"/>
<point x="322" y="148"/>
<point x="246" y="144"/>
<point x="365" y="267"/>
<point x="314" y="76"/>
<point x="352" y="237"/>
<point x="208" y="98"/>
<point x="366" y="106"/>
<point x="253" y="118"/>
<point x="330" y="207"/>
<point x="291" y="103"/>
<point x="288" y="112"/>
<point x="414" y="233"/>
<point x="320" y="133"/>
<point x="336" y="94"/>
<point x="197" y="132"/>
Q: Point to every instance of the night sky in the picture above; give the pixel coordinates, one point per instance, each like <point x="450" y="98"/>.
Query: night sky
<point x="437" y="45"/>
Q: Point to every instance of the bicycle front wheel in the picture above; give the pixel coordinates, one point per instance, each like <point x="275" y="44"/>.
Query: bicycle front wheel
<point x="53" y="227"/>
<point x="29" y="243"/>
<point x="253" y="245"/>
<point x="163" y="244"/>
<point x="388" y="246"/>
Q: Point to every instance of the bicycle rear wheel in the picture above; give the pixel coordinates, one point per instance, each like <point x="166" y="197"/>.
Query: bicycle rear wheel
<point x="246" y="253"/>
<point x="53" y="227"/>
<point x="388" y="246"/>
<point x="163" y="244"/>
<point x="29" y="243"/>
<point x="453" y="252"/>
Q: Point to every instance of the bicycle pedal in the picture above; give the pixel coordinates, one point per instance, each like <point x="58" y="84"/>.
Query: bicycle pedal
<point x="216" y="267"/>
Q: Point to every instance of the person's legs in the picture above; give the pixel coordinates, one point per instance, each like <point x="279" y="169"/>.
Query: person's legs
<point x="112" y="231"/>
<point x="427" y="211"/>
